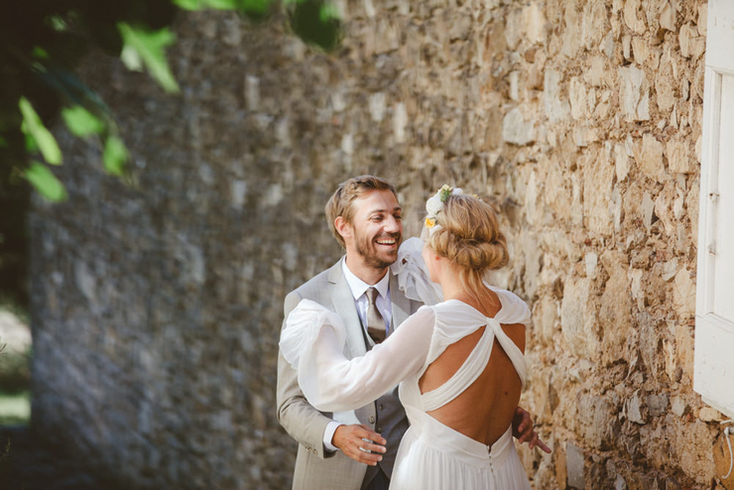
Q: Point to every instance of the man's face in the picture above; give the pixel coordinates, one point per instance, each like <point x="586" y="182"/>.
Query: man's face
<point x="377" y="228"/>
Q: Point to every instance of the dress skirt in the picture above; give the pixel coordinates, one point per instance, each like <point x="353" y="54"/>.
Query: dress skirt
<point x="433" y="456"/>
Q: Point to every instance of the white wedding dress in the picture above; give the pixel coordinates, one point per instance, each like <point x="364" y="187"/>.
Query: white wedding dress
<point x="431" y="454"/>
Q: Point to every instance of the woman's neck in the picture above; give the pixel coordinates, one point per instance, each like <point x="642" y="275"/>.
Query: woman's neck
<point x="453" y="287"/>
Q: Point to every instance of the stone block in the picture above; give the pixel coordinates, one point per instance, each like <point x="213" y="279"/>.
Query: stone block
<point x="649" y="157"/>
<point x="691" y="448"/>
<point x="621" y="162"/>
<point x="557" y="193"/>
<point x="633" y="96"/>
<point x="578" y="98"/>
<point x="571" y="41"/>
<point x="597" y="73"/>
<point x="635" y="409"/>
<point x="664" y="207"/>
<point x="575" y="467"/>
<point x="577" y="321"/>
<point x="516" y="130"/>
<point x="680" y="157"/>
<point x="691" y="45"/>
<point x="598" y="170"/>
<point x="668" y="17"/>
<point x="557" y="108"/>
<point x="665" y="91"/>
<point x="561" y="244"/>
<point x="684" y="348"/>
<point x="679" y="406"/>
<point x="400" y="122"/>
<point x="594" y="23"/>
<point x="597" y="421"/>
<point x="709" y="414"/>
<point x="648" y="210"/>
<point x="532" y="210"/>
<point x="616" y="308"/>
<point x="377" y="106"/>
<point x="656" y="404"/>
<point x="684" y="294"/>
<point x="633" y="16"/>
<point x="590" y="261"/>
<point x="534" y="23"/>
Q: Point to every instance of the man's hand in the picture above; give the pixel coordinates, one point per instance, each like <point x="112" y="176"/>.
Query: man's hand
<point x="350" y="440"/>
<point x="522" y="429"/>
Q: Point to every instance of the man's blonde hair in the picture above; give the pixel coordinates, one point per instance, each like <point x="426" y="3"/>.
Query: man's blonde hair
<point x="341" y="202"/>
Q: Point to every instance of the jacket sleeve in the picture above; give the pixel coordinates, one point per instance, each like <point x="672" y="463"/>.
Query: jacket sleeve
<point x="300" y="420"/>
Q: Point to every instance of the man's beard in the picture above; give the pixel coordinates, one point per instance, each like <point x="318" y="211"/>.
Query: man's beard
<point x="366" y="248"/>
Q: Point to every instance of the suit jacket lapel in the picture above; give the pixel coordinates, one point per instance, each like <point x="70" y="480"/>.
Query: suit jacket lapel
<point x="343" y="301"/>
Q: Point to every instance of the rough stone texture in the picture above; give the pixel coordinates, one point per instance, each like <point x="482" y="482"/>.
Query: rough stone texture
<point x="157" y="307"/>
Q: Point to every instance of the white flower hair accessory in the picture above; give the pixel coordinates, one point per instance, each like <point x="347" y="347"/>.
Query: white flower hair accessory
<point x="435" y="205"/>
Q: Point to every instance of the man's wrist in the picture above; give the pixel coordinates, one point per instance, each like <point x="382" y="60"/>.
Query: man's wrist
<point x="329" y="435"/>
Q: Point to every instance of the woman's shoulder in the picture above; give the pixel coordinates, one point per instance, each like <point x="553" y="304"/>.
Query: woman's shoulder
<point x="514" y="309"/>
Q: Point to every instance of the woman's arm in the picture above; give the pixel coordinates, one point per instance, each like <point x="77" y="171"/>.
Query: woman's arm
<point x="333" y="383"/>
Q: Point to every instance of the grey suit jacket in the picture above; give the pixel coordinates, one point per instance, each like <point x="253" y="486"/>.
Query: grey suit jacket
<point x="315" y="467"/>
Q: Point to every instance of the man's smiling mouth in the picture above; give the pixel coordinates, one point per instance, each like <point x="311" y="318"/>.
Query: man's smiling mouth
<point x="387" y="241"/>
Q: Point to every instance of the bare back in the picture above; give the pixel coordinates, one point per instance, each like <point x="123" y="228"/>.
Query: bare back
<point x="486" y="408"/>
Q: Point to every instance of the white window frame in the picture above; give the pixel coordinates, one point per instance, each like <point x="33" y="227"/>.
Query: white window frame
<point x="713" y="376"/>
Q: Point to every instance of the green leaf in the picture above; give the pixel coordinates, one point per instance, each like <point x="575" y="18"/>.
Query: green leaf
<point x="150" y="46"/>
<point x="115" y="156"/>
<point x="316" y="22"/>
<point x="81" y="122"/>
<point x="204" y="4"/>
<point x="45" y="140"/>
<point x="131" y="58"/>
<point x="45" y="182"/>
<point x="57" y="23"/>
<point x="188" y="4"/>
<point x="39" y="52"/>
<point x="256" y="6"/>
<point x="3" y="142"/>
<point x="220" y="4"/>
<point x="31" y="146"/>
<point x="328" y="12"/>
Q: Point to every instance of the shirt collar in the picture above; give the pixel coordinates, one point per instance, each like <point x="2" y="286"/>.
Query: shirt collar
<point x="358" y="286"/>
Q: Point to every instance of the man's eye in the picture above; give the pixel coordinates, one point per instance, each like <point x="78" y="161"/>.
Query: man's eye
<point x="398" y="217"/>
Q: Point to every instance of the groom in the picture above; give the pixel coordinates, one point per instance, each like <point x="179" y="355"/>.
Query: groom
<point x="356" y="449"/>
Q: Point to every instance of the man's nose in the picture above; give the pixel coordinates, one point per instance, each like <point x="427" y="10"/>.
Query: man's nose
<point x="392" y="225"/>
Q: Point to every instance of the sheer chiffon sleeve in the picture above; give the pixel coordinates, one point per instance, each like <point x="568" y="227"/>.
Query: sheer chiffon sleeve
<point x="313" y="343"/>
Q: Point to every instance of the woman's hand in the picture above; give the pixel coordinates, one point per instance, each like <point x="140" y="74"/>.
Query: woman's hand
<point x="523" y="430"/>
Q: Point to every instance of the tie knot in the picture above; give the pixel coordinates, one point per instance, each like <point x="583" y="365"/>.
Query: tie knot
<point x="372" y="295"/>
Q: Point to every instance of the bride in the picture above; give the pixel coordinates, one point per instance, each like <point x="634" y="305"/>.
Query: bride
<point x="460" y="362"/>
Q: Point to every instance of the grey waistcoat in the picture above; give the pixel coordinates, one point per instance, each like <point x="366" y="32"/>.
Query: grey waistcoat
<point x="391" y="423"/>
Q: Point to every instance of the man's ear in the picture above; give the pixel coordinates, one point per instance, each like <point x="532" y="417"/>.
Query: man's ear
<point x="343" y="227"/>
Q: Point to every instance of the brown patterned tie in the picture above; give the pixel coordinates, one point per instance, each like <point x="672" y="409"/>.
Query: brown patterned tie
<point x="375" y="323"/>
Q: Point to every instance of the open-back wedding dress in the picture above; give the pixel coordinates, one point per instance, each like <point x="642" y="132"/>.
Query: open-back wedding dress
<point x="431" y="454"/>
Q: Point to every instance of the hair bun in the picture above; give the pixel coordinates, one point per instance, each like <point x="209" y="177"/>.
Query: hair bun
<point x="470" y="235"/>
<point x="477" y="255"/>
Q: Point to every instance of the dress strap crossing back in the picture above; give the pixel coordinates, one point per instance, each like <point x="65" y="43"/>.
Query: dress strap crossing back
<point x="474" y="366"/>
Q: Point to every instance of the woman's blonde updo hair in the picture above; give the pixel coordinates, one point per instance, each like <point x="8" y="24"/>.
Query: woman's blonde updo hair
<point x="469" y="236"/>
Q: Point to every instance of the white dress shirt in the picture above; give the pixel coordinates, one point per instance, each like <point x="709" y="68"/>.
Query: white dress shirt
<point x="359" y="288"/>
<point x="362" y="303"/>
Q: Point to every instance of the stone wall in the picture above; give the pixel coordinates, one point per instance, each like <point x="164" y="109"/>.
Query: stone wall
<point x="157" y="307"/>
